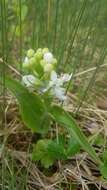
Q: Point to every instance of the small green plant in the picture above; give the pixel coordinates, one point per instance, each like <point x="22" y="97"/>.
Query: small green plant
<point x="38" y="94"/>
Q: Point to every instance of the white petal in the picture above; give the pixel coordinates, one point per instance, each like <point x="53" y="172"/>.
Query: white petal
<point x="28" y="80"/>
<point x="51" y="84"/>
<point x="26" y="61"/>
<point x="53" y="76"/>
<point x="59" y="82"/>
<point x="66" y="77"/>
<point x="59" y="93"/>
<point x="48" y="57"/>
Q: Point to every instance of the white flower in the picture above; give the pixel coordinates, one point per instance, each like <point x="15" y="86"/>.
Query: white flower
<point x="59" y="92"/>
<point x="54" y="76"/>
<point x="48" y="57"/>
<point x="66" y="77"/>
<point x="55" y="80"/>
<point x="28" y="80"/>
<point x="56" y="86"/>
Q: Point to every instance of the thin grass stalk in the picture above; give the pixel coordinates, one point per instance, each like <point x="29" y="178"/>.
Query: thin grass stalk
<point x="20" y="28"/>
<point x="4" y="37"/>
<point x="3" y="32"/>
<point x="64" y="36"/>
<point x="12" y="41"/>
<point x="71" y="44"/>
<point x="34" y="23"/>
<point x="90" y="57"/>
<point x="48" y="21"/>
<point x="77" y="24"/>
<point x="48" y="17"/>
<point x="56" y="25"/>
<point x="92" y="80"/>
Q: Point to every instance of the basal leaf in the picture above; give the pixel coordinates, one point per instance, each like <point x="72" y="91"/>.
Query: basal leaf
<point x="73" y="147"/>
<point x="41" y="153"/>
<point x="32" y="108"/>
<point x="105" y="156"/>
<point x="62" y="117"/>
<point x="57" y="150"/>
<point x="47" y="151"/>
<point x="103" y="170"/>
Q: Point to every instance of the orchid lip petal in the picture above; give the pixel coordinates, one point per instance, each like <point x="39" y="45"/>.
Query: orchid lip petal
<point x="66" y="77"/>
<point x="28" y="80"/>
<point x="60" y="93"/>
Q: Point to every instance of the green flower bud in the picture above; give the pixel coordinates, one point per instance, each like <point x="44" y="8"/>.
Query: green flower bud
<point x="38" y="55"/>
<point x="43" y="62"/>
<point x="32" y="61"/>
<point x="54" y="61"/>
<point x="45" y="50"/>
<point x="30" y="53"/>
<point x="48" y="68"/>
<point x="39" y="50"/>
<point x="38" y="83"/>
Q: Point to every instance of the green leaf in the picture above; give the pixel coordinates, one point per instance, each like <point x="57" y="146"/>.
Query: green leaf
<point x="47" y="151"/>
<point x="73" y="147"/>
<point x="62" y="117"/>
<point x="105" y="156"/>
<point x="57" y="150"/>
<point x="103" y="170"/>
<point x="99" y="140"/>
<point x="41" y="153"/>
<point x="33" y="110"/>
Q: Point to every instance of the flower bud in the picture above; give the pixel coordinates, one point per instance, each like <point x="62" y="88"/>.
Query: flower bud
<point x="26" y="63"/>
<point x="48" y="68"/>
<point x="43" y="62"/>
<point x="45" y="50"/>
<point x="32" y="61"/>
<point x="54" y="61"/>
<point x="38" y="83"/>
<point x="38" y="55"/>
<point x="48" y="57"/>
<point x="39" y="50"/>
<point x="30" y="53"/>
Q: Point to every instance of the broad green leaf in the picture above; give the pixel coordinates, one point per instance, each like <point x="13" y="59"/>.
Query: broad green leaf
<point x="47" y="151"/>
<point x="103" y="170"/>
<point x="99" y="140"/>
<point x="105" y="156"/>
<point x="57" y="150"/>
<point x="33" y="110"/>
<point x="73" y="147"/>
<point x="62" y="117"/>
